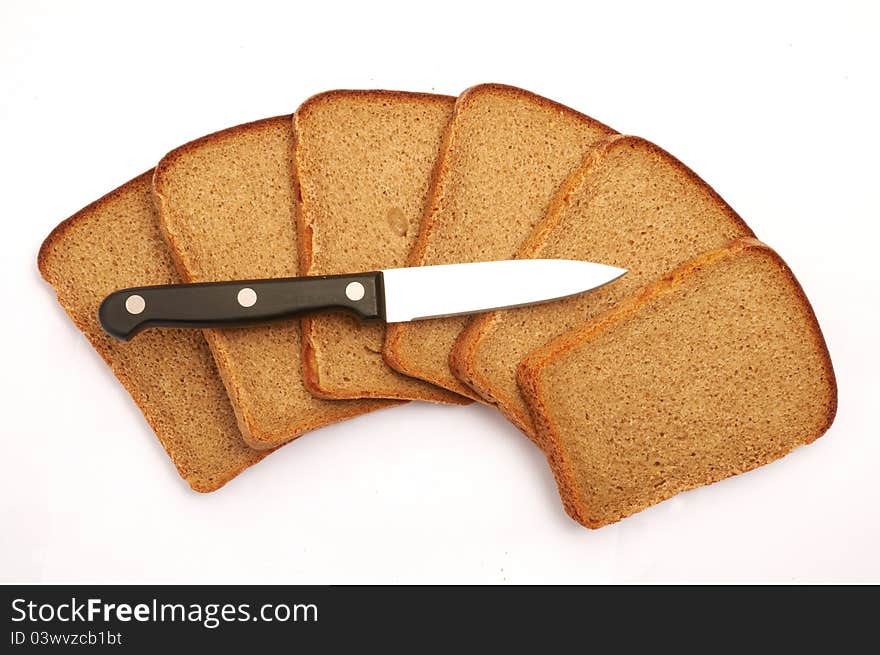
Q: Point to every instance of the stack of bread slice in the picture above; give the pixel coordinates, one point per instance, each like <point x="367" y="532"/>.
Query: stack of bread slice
<point x="703" y="361"/>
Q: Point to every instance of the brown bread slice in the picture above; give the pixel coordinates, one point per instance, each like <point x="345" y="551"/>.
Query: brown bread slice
<point x="506" y="151"/>
<point x="362" y="164"/>
<point x="716" y="369"/>
<point x="114" y="243"/>
<point x="226" y="208"/>
<point x="630" y="204"/>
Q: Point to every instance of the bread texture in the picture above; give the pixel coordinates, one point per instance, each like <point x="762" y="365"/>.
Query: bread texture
<point x="505" y="153"/>
<point x="715" y="369"/>
<point x="631" y="205"/>
<point x="115" y="243"/>
<point x="362" y="165"/>
<point x="226" y="209"/>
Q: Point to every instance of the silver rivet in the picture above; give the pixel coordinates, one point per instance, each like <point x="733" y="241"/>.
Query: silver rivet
<point x="354" y="291"/>
<point x="135" y="304"/>
<point x="247" y="297"/>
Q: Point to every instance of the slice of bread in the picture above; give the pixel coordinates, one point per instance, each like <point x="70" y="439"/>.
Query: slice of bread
<point x="505" y="153"/>
<point x="716" y="369"/>
<point x="630" y="205"/>
<point x="226" y="208"/>
<point x="362" y="164"/>
<point x="114" y="243"/>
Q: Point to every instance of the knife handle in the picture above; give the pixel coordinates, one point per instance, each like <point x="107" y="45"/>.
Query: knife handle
<point x="126" y="312"/>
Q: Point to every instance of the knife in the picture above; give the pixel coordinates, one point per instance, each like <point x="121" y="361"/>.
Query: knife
<point x="394" y="295"/>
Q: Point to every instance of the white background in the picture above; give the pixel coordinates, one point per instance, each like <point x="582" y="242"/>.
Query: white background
<point x="775" y="104"/>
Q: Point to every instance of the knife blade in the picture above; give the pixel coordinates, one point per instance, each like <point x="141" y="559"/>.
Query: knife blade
<point x="393" y="295"/>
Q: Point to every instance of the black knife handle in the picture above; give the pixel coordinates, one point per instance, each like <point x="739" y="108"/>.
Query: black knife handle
<point x="126" y="312"/>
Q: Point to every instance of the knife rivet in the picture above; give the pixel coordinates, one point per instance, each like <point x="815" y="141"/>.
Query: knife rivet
<point x="354" y="291"/>
<point x="247" y="297"/>
<point x="135" y="304"/>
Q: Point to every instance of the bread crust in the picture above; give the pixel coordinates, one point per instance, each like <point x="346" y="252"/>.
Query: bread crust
<point x="252" y="433"/>
<point x="530" y="369"/>
<point x="395" y="333"/>
<point x="462" y="359"/>
<point x="44" y="255"/>
<point x="311" y="370"/>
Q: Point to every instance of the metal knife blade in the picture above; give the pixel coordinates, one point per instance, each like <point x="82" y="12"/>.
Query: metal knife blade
<point x="447" y="290"/>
